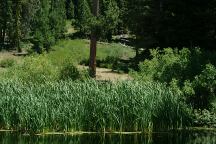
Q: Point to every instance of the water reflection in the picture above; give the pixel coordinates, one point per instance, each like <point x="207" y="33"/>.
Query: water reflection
<point x="188" y="137"/>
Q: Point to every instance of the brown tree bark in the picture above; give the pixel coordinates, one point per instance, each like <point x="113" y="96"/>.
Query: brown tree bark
<point x="17" y="25"/>
<point x="93" y="45"/>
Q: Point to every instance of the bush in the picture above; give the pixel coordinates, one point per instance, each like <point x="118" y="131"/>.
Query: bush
<point x="165" y="65"/>
<point x="36" y="69"/>
<point x="6" y="63"/>
<point x="40" y="69"/>
<point x="69" y="71"/>
<point x="107" y="62"/>
<point x="168" y="64"/>
<point x="203" y="91"/>
<point x="187" y="71"/>
<point x="204" y="118"/>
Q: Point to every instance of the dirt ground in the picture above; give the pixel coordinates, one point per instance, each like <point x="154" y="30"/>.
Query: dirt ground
<point x="7" y="55"/>
<point x="108" y="74"/>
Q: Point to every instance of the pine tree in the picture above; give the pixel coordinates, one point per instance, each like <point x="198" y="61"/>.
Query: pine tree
<point x="121" y="27"/>
<point x="48" y="24"/>
<point x="29" y="9"/>
<point x="42" y="36"/>
<point x="173" y="23"/>
<point x="57" y="18"/>
<point x="110" y="19"/>
<point x="83" y="18"/>
<point x="6" y="21"/>
<point x="70" y="9"/>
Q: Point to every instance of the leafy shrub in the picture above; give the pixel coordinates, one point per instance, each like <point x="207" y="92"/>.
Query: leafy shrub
<point x="69" y="71"/>
<point x="6" y="63"/>
<point x="165" y="65"/>
<point x="107" y="62"/>
<point x="184" y="70"/>
<point x="203" y="88"/>
<point x="33" y="69"/>
<point x="168" y="64"/>
<point x="204" y="118"/>
<point x="40" y="68"/>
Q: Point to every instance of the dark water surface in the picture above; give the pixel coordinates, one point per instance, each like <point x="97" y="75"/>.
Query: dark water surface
<point x="189" y="137"/>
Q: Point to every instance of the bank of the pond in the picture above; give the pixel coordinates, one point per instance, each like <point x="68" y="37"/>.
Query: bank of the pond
<point x="74" y="133"/>
<point x="190" y="129"/>
<point x="90" y="106"/>
<point x="180" y="137"/>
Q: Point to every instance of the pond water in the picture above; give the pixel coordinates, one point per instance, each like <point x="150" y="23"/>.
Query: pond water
<point x="189" y="137"/>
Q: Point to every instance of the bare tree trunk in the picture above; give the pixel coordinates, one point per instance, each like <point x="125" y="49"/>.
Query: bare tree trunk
<point x="93" y="45"/>
<point x="17" y="25"/>
<point x="3" y="33"/>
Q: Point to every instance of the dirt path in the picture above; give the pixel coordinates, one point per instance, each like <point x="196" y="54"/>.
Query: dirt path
<point x="108" y="74"/>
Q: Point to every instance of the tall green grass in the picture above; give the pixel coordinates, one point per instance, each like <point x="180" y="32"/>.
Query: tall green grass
<point x="90" y="106"/>
<point x="40" y="69"/>
<point x="78" y="50"/>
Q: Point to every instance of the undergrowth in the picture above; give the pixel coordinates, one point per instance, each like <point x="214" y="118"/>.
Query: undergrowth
<point x="90" y="106"/>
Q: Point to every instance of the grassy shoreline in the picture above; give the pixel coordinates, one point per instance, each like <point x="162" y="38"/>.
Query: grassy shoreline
<point x="196" y="129"/>
<point x="90" y="106"/>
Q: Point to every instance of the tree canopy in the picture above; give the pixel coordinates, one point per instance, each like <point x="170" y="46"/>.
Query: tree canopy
<point x="154" y="23"/>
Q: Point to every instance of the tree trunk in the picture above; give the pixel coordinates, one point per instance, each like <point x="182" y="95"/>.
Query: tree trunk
<point x="4" y="31"/>
<point x="17" y="26"/>
<point x="93" y="45"/>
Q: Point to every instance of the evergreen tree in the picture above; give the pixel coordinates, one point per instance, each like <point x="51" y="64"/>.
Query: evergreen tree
<point x="6" y="22"/>
<point x="172" y="23"/>
<point x="57" y="18"/>
<point x="104" y="24"/>
<point x="29" y="9"/>
<point x="48" y="24"/>
<point x="121" y="27"/>
<point x="42" y="36"/>
<point x="110" y="19"/>
<point x="69" y="4"/>
<point x="83" y="18"/>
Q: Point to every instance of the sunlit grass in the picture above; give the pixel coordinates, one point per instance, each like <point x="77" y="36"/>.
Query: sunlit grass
<point x="90" y="106"/>
<point x="78" y="50"/>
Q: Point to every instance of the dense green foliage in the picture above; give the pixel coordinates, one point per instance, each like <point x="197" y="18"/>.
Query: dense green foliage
<point x="192" y="72"/>
<point x="154" y="23"/>
<point x="189" y="73"/>
<point x="90" y="106"/>
<point x="78" y="51"/>
<point x="45" y="70"/>
<point x="70" y="9"/>
<point x="60" y="64"/>
<point x="173" y="23"/>
<point x="40" y="21"/>
<point x="5" y="63"/>
<point x="37" y="69"/>
<point x="104" y="24"/>
<point x="49" y="24"/>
